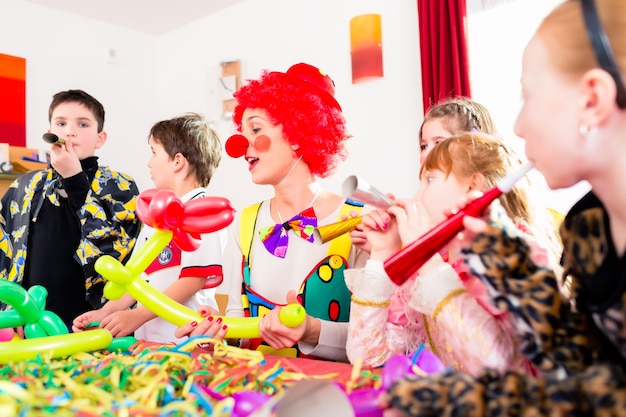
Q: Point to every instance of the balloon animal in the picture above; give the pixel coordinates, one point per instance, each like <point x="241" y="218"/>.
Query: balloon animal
<point x="45" y="331"/>
<point x="182" y="223"/>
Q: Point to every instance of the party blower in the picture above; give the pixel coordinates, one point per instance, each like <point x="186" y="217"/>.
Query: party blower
<point x="407" y="261"/>
<point x="357" y="189"/>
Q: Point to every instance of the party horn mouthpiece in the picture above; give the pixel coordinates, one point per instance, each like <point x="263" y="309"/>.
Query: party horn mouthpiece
<point x="326" y="233"/>
<point x="406" y="262"/>
<point x="53" y="139"/>
<point x="356" y="188"/>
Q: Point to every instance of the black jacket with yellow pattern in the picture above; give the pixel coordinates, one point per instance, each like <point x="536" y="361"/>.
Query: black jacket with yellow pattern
<point x="578" y="344"/>
<point x="107" y="217"/>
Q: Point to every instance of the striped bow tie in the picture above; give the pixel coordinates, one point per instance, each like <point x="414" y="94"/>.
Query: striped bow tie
<point x="276" y="238"/>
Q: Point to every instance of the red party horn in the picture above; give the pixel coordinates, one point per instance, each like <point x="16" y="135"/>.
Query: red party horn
<point x="404" y="263"/>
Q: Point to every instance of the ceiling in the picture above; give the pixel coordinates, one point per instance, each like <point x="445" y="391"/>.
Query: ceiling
<point x="154" y="17"/>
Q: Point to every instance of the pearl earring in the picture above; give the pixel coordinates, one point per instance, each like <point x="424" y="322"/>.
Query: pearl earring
<point x="588" y="132"/>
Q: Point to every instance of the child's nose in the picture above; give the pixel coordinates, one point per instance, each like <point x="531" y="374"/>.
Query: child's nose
<point x="69" y="131"/>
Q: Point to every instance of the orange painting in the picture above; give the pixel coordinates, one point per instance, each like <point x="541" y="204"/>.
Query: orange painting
<point x="366" y="47"/>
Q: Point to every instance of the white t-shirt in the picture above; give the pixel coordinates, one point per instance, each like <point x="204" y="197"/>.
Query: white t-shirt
<point x="174" y="263"/>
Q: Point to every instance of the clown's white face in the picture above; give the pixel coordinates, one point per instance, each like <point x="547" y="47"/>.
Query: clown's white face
<point x="269" y="155"/>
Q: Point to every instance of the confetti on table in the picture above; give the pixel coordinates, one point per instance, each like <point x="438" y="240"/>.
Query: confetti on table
<point x="146" y="380"/>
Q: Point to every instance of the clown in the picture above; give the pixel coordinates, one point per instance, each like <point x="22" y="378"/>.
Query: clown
<point x="292" y="131"/>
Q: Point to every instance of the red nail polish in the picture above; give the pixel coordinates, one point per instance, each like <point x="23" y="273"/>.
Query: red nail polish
<point x="210" y="318"/>
<point x="194" y="324"/>
<point x="219" y="320"/>
<point x="203" y="312"/>
<point x="224" y="327"/>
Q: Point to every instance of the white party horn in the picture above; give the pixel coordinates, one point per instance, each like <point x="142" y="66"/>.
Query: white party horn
<point x="356" y="188"/>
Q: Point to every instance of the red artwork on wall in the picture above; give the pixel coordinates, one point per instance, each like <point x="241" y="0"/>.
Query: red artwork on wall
<point x="12" y="100"/>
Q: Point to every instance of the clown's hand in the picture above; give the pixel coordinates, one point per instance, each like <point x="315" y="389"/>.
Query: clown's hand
<point x="211" y="326"/>
<point x="280" y="336"/>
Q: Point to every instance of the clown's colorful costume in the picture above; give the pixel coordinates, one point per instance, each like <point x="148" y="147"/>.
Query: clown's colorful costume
<point x="68" y="223"/>
<point x="312" y="269"/>
<point x="291" y="125"/>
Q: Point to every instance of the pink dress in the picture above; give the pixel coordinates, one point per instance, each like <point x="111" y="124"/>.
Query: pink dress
<point x="434" y="308"/>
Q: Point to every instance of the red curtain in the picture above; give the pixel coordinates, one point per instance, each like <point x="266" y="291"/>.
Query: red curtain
<point x="443" y="45"/>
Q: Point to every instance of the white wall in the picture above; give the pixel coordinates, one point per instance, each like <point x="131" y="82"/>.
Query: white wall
<point x="160" y="77"/>
<point x="383" y="115"/>
<point x="63" y="52"/>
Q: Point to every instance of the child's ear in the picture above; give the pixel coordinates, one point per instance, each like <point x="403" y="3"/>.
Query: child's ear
<point x="597" y="98"/>
<point x="179" y="161"/>
<point x="477" y="182"/>
<point x="102" y="138"/>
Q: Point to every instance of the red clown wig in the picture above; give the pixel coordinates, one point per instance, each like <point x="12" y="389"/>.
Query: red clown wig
<point x="302" y="100"/>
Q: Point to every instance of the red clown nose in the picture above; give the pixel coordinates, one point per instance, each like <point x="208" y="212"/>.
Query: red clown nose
<point x="237" y="145"/>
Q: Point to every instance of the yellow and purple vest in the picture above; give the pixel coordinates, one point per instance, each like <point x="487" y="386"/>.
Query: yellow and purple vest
<point x="323" y="292"/>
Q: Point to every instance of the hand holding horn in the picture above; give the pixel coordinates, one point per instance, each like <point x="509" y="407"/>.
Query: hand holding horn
<point x="357" y="189"/>
<point x="328" y="232"/>
<point x="404" y="263"/>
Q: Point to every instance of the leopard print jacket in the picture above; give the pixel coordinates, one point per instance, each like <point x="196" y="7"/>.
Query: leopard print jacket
<point x="577" y="344"/>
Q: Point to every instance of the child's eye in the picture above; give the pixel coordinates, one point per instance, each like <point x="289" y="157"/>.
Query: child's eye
<point x="83" y="125"/>
<point x="423" y="147"/>
<point x="430" y="178"/>
<point x="61" y="124"/>
<point x="256" y="130"/>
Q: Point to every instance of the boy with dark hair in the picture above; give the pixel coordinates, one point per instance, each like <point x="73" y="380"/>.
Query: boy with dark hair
<point x="61" y="219"/>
